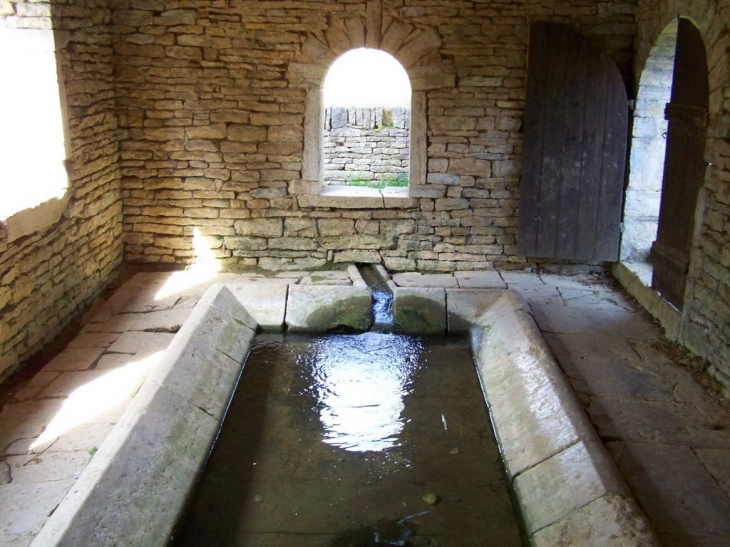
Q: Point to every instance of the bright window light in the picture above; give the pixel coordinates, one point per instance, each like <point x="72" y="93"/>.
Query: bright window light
<point x="32" y="148"/>
<point x="367" y="77"/>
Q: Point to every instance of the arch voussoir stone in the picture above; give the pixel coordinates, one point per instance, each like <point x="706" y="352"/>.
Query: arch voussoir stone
<point x="427" y="41"/>
<point x="395" y="36"/>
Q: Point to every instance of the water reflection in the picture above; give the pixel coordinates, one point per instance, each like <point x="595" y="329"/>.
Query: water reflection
<point x="359" y="382"/>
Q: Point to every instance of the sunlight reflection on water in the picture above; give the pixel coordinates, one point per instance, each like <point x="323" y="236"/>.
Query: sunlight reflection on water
<point x="359" y="383"/>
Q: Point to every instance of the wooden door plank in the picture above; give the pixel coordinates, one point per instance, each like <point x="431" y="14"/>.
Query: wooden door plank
<point x="535" y="109"/>
<point x="577" y="72"/>
<point x="552" y="158"/>
<point x="592" y="165"/>
<point x="614" y="160"/>
<point x="566" y="173"/>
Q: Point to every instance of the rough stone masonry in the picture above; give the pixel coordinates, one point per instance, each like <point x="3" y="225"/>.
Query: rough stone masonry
<point x="190" y="117"/>
<point x="366" y="144"/>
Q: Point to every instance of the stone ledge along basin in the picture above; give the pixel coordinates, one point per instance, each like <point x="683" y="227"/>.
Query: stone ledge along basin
<point x="134" y="489"/>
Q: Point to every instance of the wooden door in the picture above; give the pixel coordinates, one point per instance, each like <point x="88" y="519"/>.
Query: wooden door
<point x="684" y="165"/>
<point x="574" y="153"/>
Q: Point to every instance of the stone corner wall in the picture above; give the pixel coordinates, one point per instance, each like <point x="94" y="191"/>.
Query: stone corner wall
<point x="49" y="277"/>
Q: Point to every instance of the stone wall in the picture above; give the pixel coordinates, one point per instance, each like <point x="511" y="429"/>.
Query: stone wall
<point x="212" y="127"/>
<point x="48" y="277"/>
<point x="705" y="324"/>
<point x="366" y="144"/>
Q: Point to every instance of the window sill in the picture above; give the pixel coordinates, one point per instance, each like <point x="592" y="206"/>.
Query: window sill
<point x="35" y="219"/>
<point x="359" y="197"/>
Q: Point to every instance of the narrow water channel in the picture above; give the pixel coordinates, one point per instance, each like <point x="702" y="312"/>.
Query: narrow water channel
<point x="354" y="440"/>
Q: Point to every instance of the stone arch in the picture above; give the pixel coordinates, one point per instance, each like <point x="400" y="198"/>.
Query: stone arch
<point x="713" y="26"/>
<point x="415" y="48"/>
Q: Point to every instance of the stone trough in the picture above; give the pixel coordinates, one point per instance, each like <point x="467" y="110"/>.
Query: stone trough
<point x="134" y="489"/>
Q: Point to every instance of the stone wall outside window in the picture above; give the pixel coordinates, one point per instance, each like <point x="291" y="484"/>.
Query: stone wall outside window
<point x="366" y="144"/>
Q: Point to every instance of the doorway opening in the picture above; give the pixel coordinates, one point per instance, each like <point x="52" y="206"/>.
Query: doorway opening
<point x="648" y="149"/>
<point x="667" y="161"/>
<point x="367" y="107"/>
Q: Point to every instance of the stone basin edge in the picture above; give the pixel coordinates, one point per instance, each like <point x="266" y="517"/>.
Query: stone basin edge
<point x="135" y="488"/>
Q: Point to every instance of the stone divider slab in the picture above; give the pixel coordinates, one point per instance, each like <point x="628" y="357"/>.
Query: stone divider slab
<point x="134" y="489"/>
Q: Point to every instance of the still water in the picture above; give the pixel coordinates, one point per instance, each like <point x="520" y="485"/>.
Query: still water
<point x="354" y="440"/>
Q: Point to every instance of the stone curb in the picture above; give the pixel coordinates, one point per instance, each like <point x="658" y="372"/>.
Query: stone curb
<point x="569" y="489"/>
<point x="134" y="490"/>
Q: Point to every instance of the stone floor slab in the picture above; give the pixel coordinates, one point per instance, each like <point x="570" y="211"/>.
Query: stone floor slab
<point x="596" y="299"/>
<point x="480" y="280"/>
<point x="575" y="347"/>
<point x="68" y="382"/>
<point x="93" y="340"/>
<point x="14" y="540"/>
<point x="415" y="279"/>
<point x="656" y="422"/>
<point x="169" y="321"/>
<point x="74" y="359"/>
<point x="618" y="378"/>
<point x="717" y="463"/>
<point x="141" y="343"/>
<point x="683" y="502"/>
<point x="85" y="437"/>
<point x="518" y="278"/>
<point x="20" y="423"/>
<point x="564" y="320"/>
<point x="50" y="466"/>
<point x="121" y="322"/>
<point x="115" y="360"/>
<point x="25" y="507"/>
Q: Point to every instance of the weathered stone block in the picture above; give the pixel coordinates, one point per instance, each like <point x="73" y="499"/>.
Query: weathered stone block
<point x="420" y="310"/>
<point x="471" y="166"/>
<point x="363" y="257"/>
<point x="264" y="300"/>
<point x="237" y="132"/>
<point x="213" y="131"/>
<point x="261" y="227"/>
<point x="360" y="241"/>
<point x="563" y="484"/>
<point x="464" y="307"/>
<point x="336" y="227"/>
<point x="321" y="308"/>
<point x="245" y="243"/>
<point x="608" y="520"/>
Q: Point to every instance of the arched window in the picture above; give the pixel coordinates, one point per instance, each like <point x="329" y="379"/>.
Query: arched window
<point x="367" y="100"/>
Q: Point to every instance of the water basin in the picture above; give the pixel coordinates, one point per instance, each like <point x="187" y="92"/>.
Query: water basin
<point x="330" y="437"/>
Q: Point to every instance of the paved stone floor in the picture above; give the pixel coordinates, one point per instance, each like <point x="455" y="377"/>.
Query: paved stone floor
<point x="668" y="436"/>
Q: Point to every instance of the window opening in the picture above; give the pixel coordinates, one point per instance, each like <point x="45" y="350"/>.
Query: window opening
<point x="32" y="137"/>
<point x="367" y="106"/>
